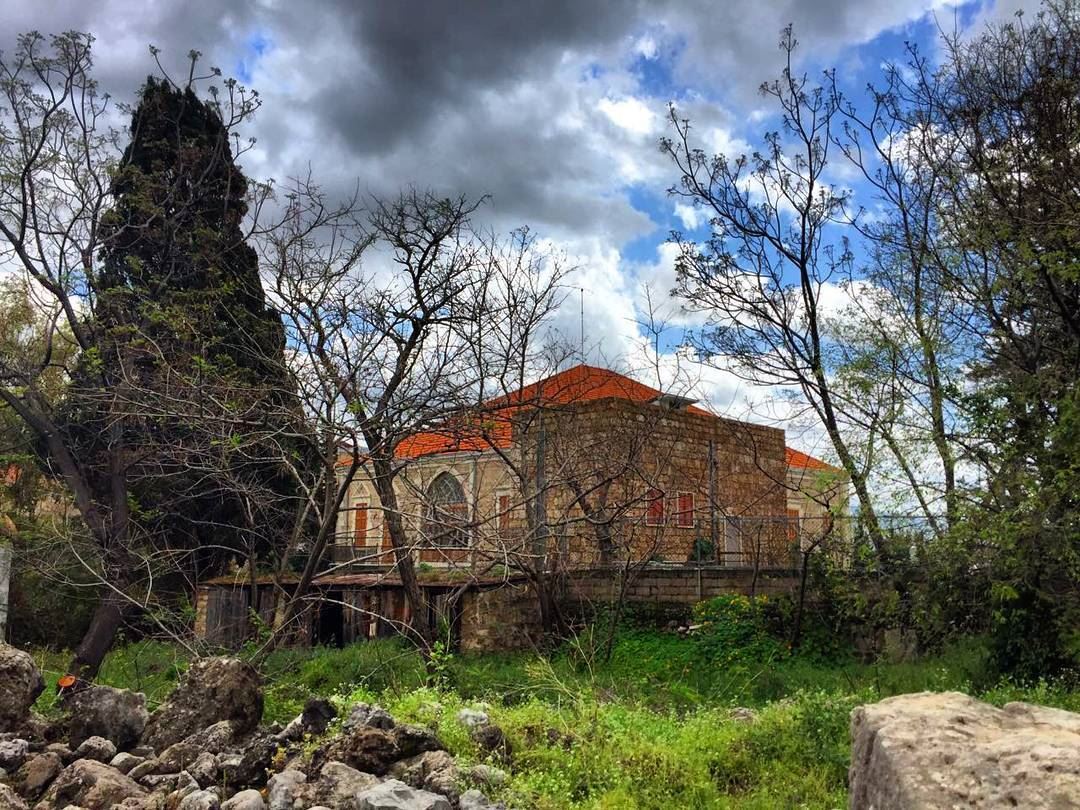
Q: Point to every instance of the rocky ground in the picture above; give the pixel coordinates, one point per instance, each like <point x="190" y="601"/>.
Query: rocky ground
<point x="204" y="749"/>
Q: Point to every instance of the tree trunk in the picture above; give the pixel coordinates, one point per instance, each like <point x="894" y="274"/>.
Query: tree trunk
<point x="98" y="639"/>
<point x="403" y="561"/>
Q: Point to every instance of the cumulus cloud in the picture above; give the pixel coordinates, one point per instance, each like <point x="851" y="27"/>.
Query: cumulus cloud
<point x="554" y="109"/>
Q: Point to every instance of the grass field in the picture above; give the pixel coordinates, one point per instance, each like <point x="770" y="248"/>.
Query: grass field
<point x="650" y="728"/>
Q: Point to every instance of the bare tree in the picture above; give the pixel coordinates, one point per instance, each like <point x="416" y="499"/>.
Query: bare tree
<point x="773" y="251"/>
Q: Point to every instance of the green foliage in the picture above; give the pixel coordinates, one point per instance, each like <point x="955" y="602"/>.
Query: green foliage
<point x="734" y="630"/>
<point x="651" y="728"/>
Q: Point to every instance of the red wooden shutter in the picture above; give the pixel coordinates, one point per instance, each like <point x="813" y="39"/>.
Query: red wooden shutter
<point x="360" y="524"/>
<point x="504" y="513"/>
<point x="654" y="512"/>
<point x="685" y="510"/>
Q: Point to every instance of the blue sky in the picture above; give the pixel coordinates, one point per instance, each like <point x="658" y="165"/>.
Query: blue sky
<point x="553" y="109"/>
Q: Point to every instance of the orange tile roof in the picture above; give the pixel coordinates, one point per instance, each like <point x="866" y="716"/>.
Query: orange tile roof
<point x="581" y="383"/>
<point x="796" y="458"/>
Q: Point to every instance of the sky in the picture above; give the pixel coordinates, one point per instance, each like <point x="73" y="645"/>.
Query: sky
<point x="554" y="109"/>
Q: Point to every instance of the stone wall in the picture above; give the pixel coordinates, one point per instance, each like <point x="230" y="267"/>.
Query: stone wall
<point x="682" y="585"/>
<point x="505" y="618"/>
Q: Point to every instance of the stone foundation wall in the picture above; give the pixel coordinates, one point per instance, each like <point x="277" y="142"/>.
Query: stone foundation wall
<point x="682" y="585"/>
<point x="506" y="618"/>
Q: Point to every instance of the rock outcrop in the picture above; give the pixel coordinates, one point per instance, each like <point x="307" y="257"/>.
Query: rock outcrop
<point x="118" y="715"/>
<point x="212" y="690"/>
<point x="20" y="685"/>
<point x="930" y="750"/>
<point x="204" y="750"/>
<point x="89" y="784"/>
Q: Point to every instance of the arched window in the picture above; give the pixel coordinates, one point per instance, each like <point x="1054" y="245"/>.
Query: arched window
<point x="447" y="513"/>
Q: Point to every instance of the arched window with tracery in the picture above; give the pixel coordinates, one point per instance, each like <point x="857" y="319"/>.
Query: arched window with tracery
<point x="447" y="513"/>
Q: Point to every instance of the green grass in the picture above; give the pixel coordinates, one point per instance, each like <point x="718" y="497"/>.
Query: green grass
<point x="651" y="728"/>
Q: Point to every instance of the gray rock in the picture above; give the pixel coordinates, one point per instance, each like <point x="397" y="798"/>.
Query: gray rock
<point x="412" y="740"/>
<point x="9" y="800"/>
<point x="949" y="750"/>
<point x="13" y="753"/>
<point x="212" y="690"/>
<point x="395" y="795"/>
<point x="363" y="714"/>
<point x="213" y="739"/>
<point x="313" y="721"/>
<point x="61" y="750"/>
<point x="37" y="773"/>
<point x="144" y="768"/>
<point x="475" y="800"/>
<point x="245" y="800"/>
<point x="472" y="717"/>
<point x="432" y="770"/>
<point x="337" y="786"/>
<point x="365" y="748"/>
<point x="103" y="711"/>
<point x="20" y="685"/>
<point x="96" y="748"/>
<point x="283" y="789"/>
<point x="249" y="768"/>
<point x="200" y="800"/>
<point x="124" y="761"/>
<point x="90" y="784"/>
<point x="204" y="769"/>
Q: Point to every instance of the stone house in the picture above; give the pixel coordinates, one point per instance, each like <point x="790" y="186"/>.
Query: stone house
<point x="587" y="474"/>
<point x="589" y="467"/>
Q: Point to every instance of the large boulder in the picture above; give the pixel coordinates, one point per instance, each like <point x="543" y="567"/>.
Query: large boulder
<point x="367" y="749"/>
<point x="395" y="795"/>
<point x="90" y="784"/>
<point x="20" y="685"/>
<point x="118" y="715"/>
<point x="212" y="690"/>
<point x="948" y="750"/>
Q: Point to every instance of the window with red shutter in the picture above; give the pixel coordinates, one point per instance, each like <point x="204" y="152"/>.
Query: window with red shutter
<point x="654" y="509"/>
<point x="504" y="513"/>
<point x="360" y="524"/>
<point x="684" y="510"/>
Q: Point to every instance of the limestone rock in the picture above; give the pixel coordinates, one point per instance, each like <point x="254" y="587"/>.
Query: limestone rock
<point x="13" y="753"/>
<point x="96" y="748"/>
<point x="9" y="800"/>
<point x="245" y="800"/>
<point x="435" y="771"/>
<point x="283" y="788"/>
<point x="124" y="761"/>
<point x="36" y="774"/>
<point x="363" y="714"/>
<point x="313" y="720"/>
<point x="118" y="715"/>
<point x="395" y="795"/>
<point x="338" y="786"/>
<point x="472" y="717"/>
<point x="20" y="685"/>
<point x="90" y="784"/>
<point x="948" y="750"/>
<point x="200" y="800"/>
<point x="412" y="740"/>
<point x="212" y="690"/>
<point x="213" y="739"/>
<point x="475" y="800"/>
<point x="367" y="749"/>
